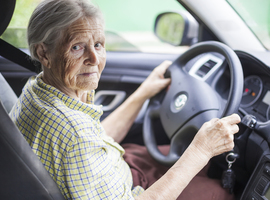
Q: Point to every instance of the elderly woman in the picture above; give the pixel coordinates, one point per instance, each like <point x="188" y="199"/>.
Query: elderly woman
<point x="57" y="117"/>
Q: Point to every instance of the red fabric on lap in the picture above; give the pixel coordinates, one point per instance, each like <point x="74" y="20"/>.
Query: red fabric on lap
<point x="145" y="171"/>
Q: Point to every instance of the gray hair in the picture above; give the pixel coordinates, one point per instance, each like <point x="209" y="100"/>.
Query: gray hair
<point x="52" y="17"/>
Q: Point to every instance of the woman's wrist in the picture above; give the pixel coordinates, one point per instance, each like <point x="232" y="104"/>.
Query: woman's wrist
<point x="140" y="95"/>
<point x="197" y="156"/>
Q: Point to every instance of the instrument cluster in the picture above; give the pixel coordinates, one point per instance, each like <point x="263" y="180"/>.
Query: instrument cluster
<point x="256" y="97"/>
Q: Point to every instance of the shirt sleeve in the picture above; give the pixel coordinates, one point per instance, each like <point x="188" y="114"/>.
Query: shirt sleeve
<point x="90" y="174"/>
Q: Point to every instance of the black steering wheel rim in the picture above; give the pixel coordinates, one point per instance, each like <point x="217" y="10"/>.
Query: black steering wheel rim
<point x="232" y="105"/>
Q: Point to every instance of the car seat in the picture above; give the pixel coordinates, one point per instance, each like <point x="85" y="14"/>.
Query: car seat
<point x="22" y="175"/>
<point x="7" y="96"/>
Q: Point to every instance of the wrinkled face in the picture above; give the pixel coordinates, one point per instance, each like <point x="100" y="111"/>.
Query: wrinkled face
<point x="80" y="58"/>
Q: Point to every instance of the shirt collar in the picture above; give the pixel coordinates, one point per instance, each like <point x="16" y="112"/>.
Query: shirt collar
<point x="88" y="107"/>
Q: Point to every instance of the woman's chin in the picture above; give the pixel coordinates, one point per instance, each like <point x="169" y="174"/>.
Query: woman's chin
<point x="89" y="86"/>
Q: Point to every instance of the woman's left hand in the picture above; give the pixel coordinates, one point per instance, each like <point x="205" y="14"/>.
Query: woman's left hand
<point x="155" y="82"/>
<point x="119" y="122"/>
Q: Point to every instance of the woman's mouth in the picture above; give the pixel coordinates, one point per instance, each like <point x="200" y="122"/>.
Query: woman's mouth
<point x="89" y="74"/>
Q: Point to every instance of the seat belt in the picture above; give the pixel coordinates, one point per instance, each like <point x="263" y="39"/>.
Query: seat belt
<point x="17" y="56"/>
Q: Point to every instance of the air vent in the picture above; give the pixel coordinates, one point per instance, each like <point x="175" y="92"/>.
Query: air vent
<point x="205" y="66"/>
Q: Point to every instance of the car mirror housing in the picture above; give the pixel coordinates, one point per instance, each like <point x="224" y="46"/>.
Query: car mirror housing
<point x="176" y="28"/>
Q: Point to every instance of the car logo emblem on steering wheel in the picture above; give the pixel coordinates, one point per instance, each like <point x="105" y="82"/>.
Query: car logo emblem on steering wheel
<point x="180" y="101"/>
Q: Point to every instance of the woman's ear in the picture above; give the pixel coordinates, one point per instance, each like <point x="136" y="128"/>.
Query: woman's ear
<point x="43" y="55"/>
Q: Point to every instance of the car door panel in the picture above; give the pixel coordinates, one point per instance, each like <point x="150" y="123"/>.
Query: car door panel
<point x="124" y="72"/>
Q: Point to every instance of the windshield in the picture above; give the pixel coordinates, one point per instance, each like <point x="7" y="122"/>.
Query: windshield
<point x="256" y="14"/>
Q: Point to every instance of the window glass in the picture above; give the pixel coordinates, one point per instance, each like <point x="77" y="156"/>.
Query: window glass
<point x="16" y="31"/>
<point x="129" y="24"/>
<point x="256" y="14"/>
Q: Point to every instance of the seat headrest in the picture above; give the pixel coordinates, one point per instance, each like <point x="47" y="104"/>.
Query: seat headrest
<point x="6" y="11"/>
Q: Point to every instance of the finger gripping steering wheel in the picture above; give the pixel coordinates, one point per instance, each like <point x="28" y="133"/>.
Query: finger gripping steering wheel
<point x="190" y="102"/>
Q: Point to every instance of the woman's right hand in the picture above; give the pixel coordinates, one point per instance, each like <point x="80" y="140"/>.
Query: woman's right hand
<point x="213" y="138"/>
<point x="216" y="136"/>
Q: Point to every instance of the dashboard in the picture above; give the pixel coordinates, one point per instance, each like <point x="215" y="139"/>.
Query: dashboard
<point x="212" y="67"/>
<point x="252" y="168"/>
<point x="256" y="92"/>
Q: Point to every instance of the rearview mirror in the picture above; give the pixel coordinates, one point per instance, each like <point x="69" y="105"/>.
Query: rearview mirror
<point x="176" y="28"/>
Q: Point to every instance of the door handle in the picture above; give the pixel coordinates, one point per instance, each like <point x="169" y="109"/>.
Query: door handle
<point x="118" y="98"/>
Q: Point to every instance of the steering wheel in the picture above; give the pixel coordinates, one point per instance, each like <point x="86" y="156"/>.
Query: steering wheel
<point x="190" y="102"/>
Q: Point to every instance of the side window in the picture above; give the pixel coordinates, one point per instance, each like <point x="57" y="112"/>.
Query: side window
<point x="15" y="34"/>
<point x="129" y="24"/>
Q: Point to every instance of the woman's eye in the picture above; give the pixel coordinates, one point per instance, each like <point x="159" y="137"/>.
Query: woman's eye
<point x="76" y="47"/>
<point x="97" y="45"/>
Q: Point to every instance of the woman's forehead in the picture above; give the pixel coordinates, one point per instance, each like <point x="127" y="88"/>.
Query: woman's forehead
<point x="85" y="26"/>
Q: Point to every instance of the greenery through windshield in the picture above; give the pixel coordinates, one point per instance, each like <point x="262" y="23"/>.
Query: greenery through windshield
<point x="256" y="15"/>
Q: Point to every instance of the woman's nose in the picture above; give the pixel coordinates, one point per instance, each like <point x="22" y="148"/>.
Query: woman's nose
<point x="92" y="58"/>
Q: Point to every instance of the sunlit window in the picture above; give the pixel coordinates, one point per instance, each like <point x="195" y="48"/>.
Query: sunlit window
<point x="129" y="24"/>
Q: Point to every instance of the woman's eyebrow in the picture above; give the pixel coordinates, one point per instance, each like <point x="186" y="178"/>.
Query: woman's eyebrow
<point x="76" y="37"/>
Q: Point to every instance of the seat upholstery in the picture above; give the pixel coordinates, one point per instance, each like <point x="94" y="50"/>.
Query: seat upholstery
<point x="7" y="9"/>
<point x="7" y="95"/>
<point x="22" y="175"/>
